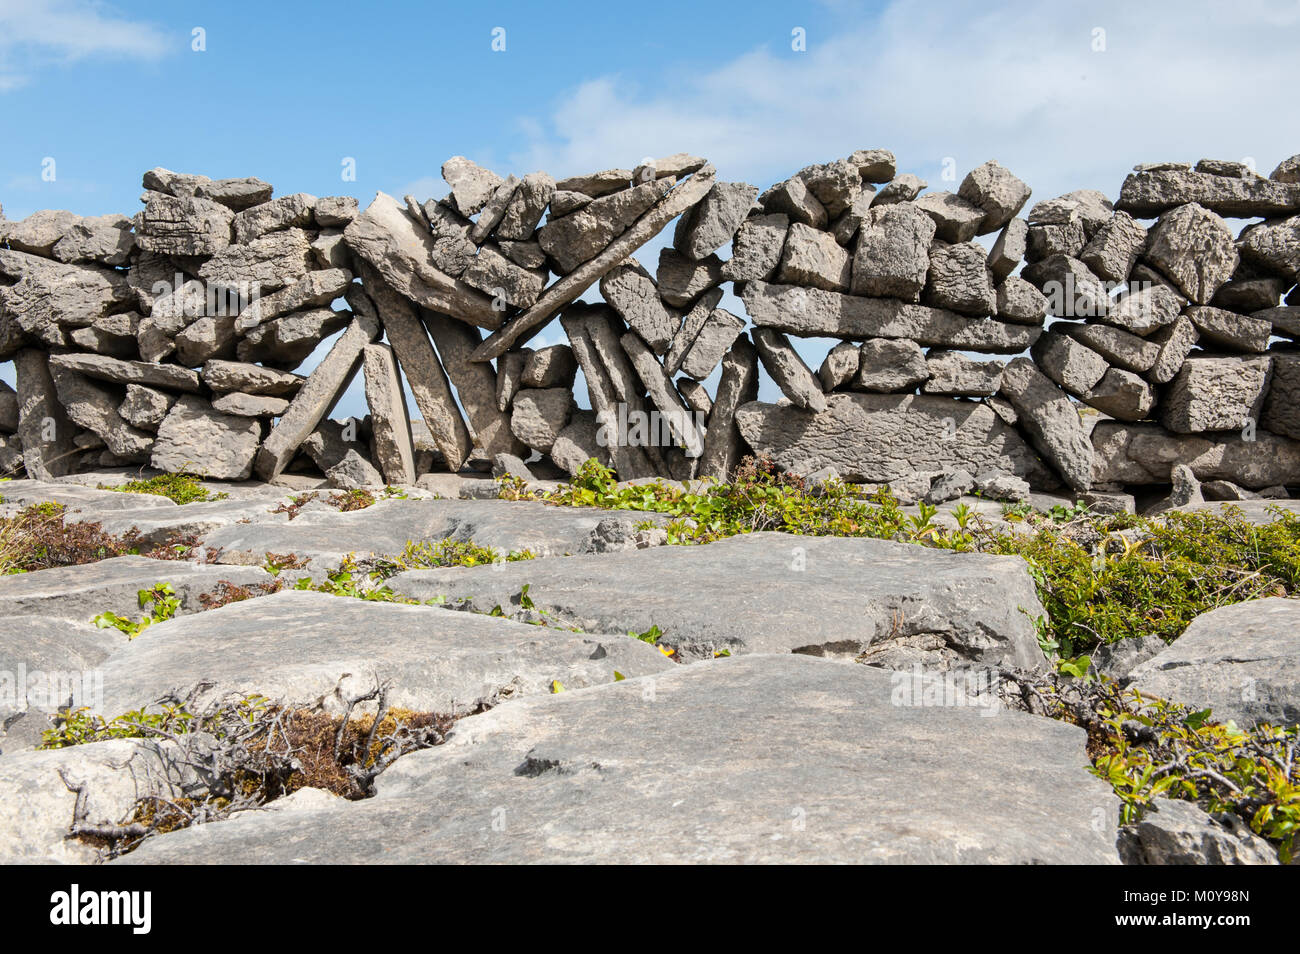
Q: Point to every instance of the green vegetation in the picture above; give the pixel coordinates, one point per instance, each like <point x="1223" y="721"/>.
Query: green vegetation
<point x="425" y="555"/>
<point x="182" y="488"/>
<point x="37" y="538"/>
<point x="159" y="602"/>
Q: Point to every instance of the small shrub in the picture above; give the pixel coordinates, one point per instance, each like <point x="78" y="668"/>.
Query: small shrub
<point x="182" y="488"/>
<point x="160" y="603"/>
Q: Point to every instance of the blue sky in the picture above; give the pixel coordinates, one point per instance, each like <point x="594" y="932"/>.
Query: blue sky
<point x="1067" y="95"/>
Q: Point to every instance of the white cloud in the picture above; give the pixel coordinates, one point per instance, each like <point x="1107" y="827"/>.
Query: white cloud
<point x="37" y="33"/>
<point x="1019" y="83"/>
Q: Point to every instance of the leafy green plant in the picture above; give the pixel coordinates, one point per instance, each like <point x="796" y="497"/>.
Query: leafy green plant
<point x="420" y="555"/>
<point x="182" y="488"/>
<point x="160" y="603"/>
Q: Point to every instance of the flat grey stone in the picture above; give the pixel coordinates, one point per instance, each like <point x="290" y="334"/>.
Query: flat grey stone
<point x="1240" y="661"/>
<point x="294" y="647"/>
<point x="1143" y="454"/>
<point x="1175" y="832"/>
<point x="576" y="778"/>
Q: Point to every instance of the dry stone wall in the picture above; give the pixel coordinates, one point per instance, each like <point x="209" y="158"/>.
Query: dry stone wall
<point x="1091" y="345"/>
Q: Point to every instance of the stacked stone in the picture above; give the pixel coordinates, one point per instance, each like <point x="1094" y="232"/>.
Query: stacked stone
<point x="128" y="350"/>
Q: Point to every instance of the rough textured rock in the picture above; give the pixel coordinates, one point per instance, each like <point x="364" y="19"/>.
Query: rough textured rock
<point x="1281" y="412"/>
<point x="959" y="280"/>
<point x="724" y="446"/>
<point x="996" y="191"/>
<point x="354" y="471"/>
<point x="813" y="258"/>
<point x="266" y="264"/>
<point x="1226" y="329"/>
<point x="682" y="280"/>
<point x="1121" y="394"/>
<point x="1120" y="348"/>
<point x="475" y="383"/>
<point x="839" y="367"/>
<point x="1193" y="247"/>
<point x="1113" y="250"/>
<point x="555" y="813"/>
<point x="94" y="406"/>
<point x="182" y="226"/>
<point x="539" y="416"/>
<point x="1274" y="246"/>
<point x="1075" y="367"/>
<point x="1144" y="453"/>
<point x="712" y="223"/>
<point x="104" y="239"/>
<point x="879" y="437"/>
<point x="580" y="236"/>
<point x="793" y="199"/>
<point x="968" y="602"/>
<point x="1215" y="394"/>
<point x="1009" y="249"/>
<point x="551" y="367"/>
<point x="471" y="184"/>
<point x="1071" y="289"/>
<point x="886" y="365"/>
<point x="787" y="369"/>
<point x="1050" y="420"/>
<point x="811" y="312"/>
<point x="715" y="336"/>
<point x="757" y="247"/>
<point x="250" y="405"/>
<point x="527" y="203"/>
<point x="1020" y="302"/>
<point x="632" y="292"/>
<point x="44" y="432"/>
<point x="1146" y="310"/>
<point x="1240" y="661"/>
<point x="391" y="421"/>
<point x="955" y="219"/>
<point x="892" y="257"/>
<point x="195" y="439"/>
<point x="577" y="443"/>
<point x="691" y="324"/>
<point x="289" y="211"/>
<point x="1179" y="833"/>
<point x="494" y="274"/>
<point x="1147" y="193"/>
<point x="249" y="378"/>
<point x="954" y="374"/>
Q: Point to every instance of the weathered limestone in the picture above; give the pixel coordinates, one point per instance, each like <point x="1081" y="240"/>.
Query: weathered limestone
<point x="195" y="439"/>
<point x="813" y="258"/>
<point x="955" y="219"/>
<point x="1009" y="249"/>
<point x="580" y="236"/>
<point x="1144" y="454"/>
<point x="738" y="385"/>
<point x="1121" y="394"/>
<point x="1227" y="329"/>
<point x="250" y="405"/>
<point x="714" y="221"/>
<point x="471" y="184"/>
<point x="1073" y="366"/>
<point x="290" y="211"/>
<point x="682" y="280"/>
<point x="887" y="365"/>
<point x="44" y="430"/>
<point x="1119" y="347"/>
<point x="391" y="421"/>
<point x="248" y="378"/>
<point x="317" y="397"/>
<point x="263" y="265"/>
<point x="892" y="257"/>
<point x="182" y="226"/>
<point x="1020" y="302"/>
<point x="1281" y="412"/>
<point x="715" y="336"/>
<point x="959" y="279"/>
<point x="550" y="367"/>
<point x="997" y="192"/>
<point x="168" y="377"/>
<point x="539" y="415"/>
<point x="1050" y="420"/>
<point x="1148" y="193"/>
<point x="632" y="292"/>
<point x="1215" y="394"/>
<point x="145" y="407"/>
<point x="757" y="247"/>
<point x="955" y="375"/>
<point x="840" y="366"/>
<point x="94" y="406"/>
<point x="787" y="369"/>
<point x="1193" y="247"/>
<point x="1113" y="250"/>
<point x="883" y="437"/>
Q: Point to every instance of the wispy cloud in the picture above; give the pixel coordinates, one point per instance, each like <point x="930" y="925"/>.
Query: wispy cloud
<point x="35" y="34"/>
<point x="1029" y="84"/>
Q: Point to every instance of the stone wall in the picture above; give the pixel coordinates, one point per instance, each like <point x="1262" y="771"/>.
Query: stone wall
<point x="1154" y="337"/>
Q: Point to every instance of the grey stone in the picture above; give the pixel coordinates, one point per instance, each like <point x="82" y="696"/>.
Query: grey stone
<point x="44" y="431"/>
<point x="959" y="279"/>
<point x="566" y="744"/>
<point x="264" y="265"/>
<point x="288" y="340"/>
<point x="195" y="439"/>
<point x="510" y="368"/>
<point x="1215" y="394"/>
<point x="8" y="408"/>
<point x="314" y="290"/>
<point x="1121" y="657"/>
<point x="1239" y="661"/>
<point x="235" y="194"/>
<point x="892" y="257"/>
<point x="45" y="298"/>
<point x="335" y="211"/>
<point x="788" y="370"/>
<point x="1185" y="488"/>
<point x="903" y="188"/>
<point x="1194" y="248"/>
<point x="250" y="405"/>
<point x="696" y="396"/>
<point x="1285" y="319"/>
<point x="884" y="437"/>
<point x="724" y="445"/>
<point x="81" y="592"/>
<point x="471" y="184"/>
<point x="391" y="421"/>
<point x="105" y="368"/>
<point x="475" y="383"/>
<point x="1288" y="170"/>
<point x="1119" y="347"/>
<point x="674" y="416"/>
<point x="1176" y="342"/>
<point x="836" y="185"/>
<point x="565" y="201"/>
<point x="1148" y="193"/>
<point x="1050" y="420"/>
<point x="999" y="486"/>
<point x="1242" y="294"/>
<point x="580" y="236"/>
<point x="950" y="486"/>
<point x="551" y="367"/>
<point x="1072" y="291"/>
<point x="1227" y="329"/>
<point x="402" y="252"/>
<point x="632" y="292"/>
<point x="113" y="335"/>
<point x="954" y="374"/>
<point x="886" y="365"/>
<point x="565" y="290"/>
<point x="1173" y="832"/>
<point x="1281" y="411"/>
<point x="104" y="239"/>
<point x="40" y="232"/>
<point x="1113" y="250"/>
<point x="994" y="189"/>
<point x="874" y="165"/>
<point x="955" y="219"/>
<point x="846" y="227"/>
<point x="1273" y="245"/>
<point x="714" y="221"/>
<point x="971" y="600"/>
<point x="682" y="280"/>
<point x="678" y="164"/>
<point x="811" y="312"/>
<point x="539" y="416"/>
<point x="331" y="440"/>
<point x="715" y="337"/>
<point x="813" y="258"/>
<point x="287" y="212"/>
<point x="206" y="339"/>
<point x="421" y="366"/>
<point x="451" y="250"/>
<point x="1144" y="453"/>
<point x="524" y="254"/>
<point x="494" y="274"/>
<point x="94" y="406"/>
<point x="1019" y="302"/>
<point x="1075" y="367"/>
<point x="354" y="472"/>
<point x="840" y="366"/>
<point x="691" y="324"/>
<point x="596" y="184"/>
<point x="577" y="443"/>
<point x="1009" y="249"/>
<point x="793" y="199"/>
<point x="1121" y="394"/>
<point x="316" y="397"/>
<point x="1091" y="207"/>
<point x="182" y="226"/>
<point x="1146" y="310"/>
<point x="249" y="378"/>
<point x="1065" y="238"/>
<point x="526" y="206"/>
<point x="493" y="210"/>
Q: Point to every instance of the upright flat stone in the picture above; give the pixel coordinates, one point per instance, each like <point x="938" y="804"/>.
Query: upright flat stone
<point x="673" y="410"/>
<point x="476" y="384"/>
<point x="44" y="430"/>
<point x="1242" y="662"/>
<point x="94" y="406"/>
<point x="632" y="292"/>
<point x="394" y="448"/>
<point x="424" y="371"/>
<point x="788" y="370"/>
<point x="317" y="397"/>
<point x="1281" y="413"/>
<point x="738" y="385"/>
<point x="885" y="437"/>
<point x="1050" y="420"/>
